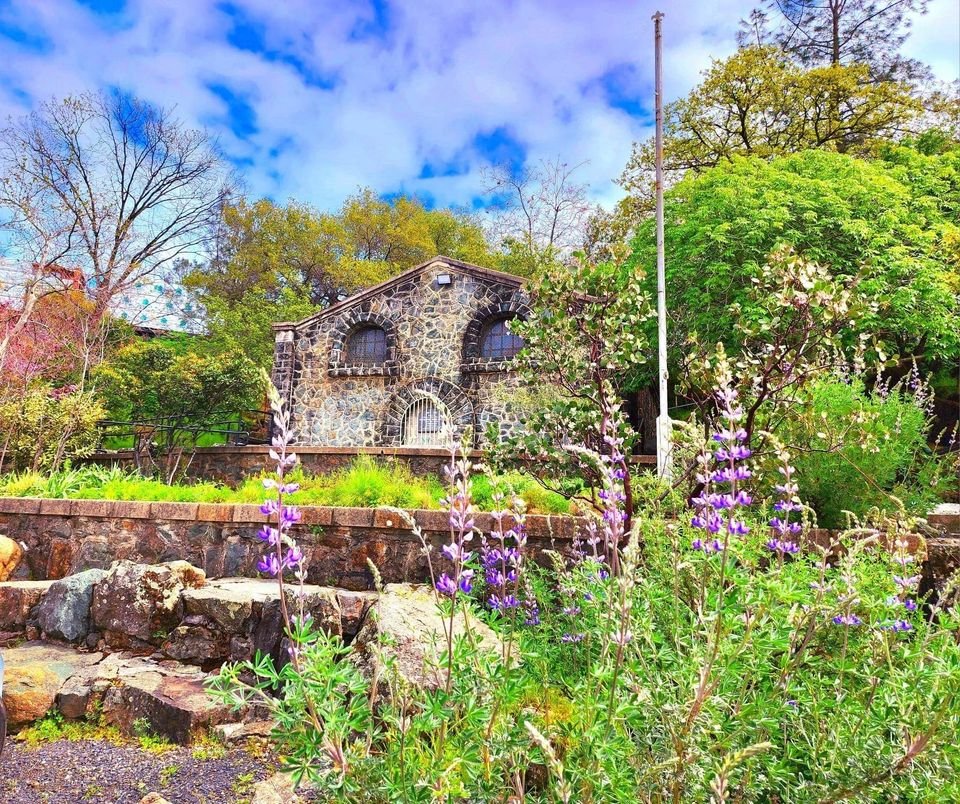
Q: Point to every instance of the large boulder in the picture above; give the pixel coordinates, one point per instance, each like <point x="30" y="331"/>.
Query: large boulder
<point x="10" y="555"/>
<point x="404" y="626"/>
<point x="170" y="699"/>
<point x="137" y="605"/>
<point x="17" y="599"/>
<point x="64" y="612"/>
<point x="29" y="692"/>
<point x="231" y="618"/>
<point x="34" y="675"/>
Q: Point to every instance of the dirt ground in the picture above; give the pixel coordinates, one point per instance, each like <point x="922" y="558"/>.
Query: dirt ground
<point x="100" y="772"/>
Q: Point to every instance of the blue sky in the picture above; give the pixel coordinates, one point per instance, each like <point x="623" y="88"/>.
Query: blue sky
<point x="313" y="98"/>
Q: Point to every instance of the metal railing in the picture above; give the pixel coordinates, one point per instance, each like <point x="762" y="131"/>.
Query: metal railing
<point x="178" y="431"/>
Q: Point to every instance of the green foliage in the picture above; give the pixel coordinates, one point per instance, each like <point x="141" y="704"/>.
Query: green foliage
<point x="855" y="448"/>
<point x="365" y="483"/>
<point x="282" y="263"/>
<point x="157" y="378"/>
<point x="693" y="677"/>
<point x="584" y="340"/>
<point x="42" y="427"/>
<point x="537" y="498"/>
<point x="890" y="226"/>
<point x="244" y="326"/>
<point x="759" y="103"/>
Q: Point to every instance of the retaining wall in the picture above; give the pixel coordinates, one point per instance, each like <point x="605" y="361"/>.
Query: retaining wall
<point x="67" y="536"/>
<point x="231" y="465"/>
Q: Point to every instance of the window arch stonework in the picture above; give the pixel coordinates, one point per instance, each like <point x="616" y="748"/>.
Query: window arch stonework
<point x="357" y="347"/>
<point x="487" y="343"/>
<point x="450" y="399"/>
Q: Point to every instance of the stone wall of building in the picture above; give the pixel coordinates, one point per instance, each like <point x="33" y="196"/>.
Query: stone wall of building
<point x="433" y="332"/>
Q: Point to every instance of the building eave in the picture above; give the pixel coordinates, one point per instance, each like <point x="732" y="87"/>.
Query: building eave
<point x="456" y="265"/>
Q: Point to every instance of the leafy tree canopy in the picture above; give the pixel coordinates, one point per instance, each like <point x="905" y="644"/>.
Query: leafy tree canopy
<point x="319" y="257"/>
<point x="886" y="228"/>
<point x="759" y="102"/>
<point x="150" y="379"/>
<point x="275" y="262"/>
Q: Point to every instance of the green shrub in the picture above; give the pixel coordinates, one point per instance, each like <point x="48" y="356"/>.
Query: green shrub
<point x="43" y="427"/>
<point x="365" y="483"/>
<point x="854" y="448"/>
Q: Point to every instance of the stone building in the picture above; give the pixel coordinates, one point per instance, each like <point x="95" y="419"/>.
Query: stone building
<point x="415" y="361"/>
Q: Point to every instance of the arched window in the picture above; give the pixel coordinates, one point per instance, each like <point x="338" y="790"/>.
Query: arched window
<point x="426" y="423"/>
<point x="367" y="345"/>
<point x="497" y="342"/>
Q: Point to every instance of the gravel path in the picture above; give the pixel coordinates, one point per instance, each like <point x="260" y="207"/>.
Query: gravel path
<point x="98" y="772"/>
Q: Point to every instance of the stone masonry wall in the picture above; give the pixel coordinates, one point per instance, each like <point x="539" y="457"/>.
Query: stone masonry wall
<point x="231" y="465"/>
<point x="63" y="537"/>
<point x="433" y="333"/>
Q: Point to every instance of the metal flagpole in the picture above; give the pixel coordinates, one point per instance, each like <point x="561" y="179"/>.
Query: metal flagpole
<point x="664" y="435"/>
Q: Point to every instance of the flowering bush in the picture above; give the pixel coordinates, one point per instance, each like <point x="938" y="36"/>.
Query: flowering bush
<point x="719" y="656"/>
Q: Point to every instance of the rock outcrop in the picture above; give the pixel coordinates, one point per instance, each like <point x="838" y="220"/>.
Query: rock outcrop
<point x="17" y="600"/>
<point x="10" y="555"/>
<point x="65" y="610"/>
<point x="136" y="605"/>
<point x="405" y="627"/>
<point x="35" y="673"/>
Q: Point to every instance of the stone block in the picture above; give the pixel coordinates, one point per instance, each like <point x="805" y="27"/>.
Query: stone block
<point x="17" y="598"/>
<point x="214" y="512"/>
<point x="132" y="509"/>
<point x="92" y="508"/>
<point x="174" y="510"/>
<point x="433" y="521"/>
<point x="56" y="507"/>
<point x="19" y="505"/>
<point x="172" y="700"/>
<point x="11" y="553"/>
<point x="136" y="604"/>
<point x="64" y="613"/>
<point x="353" y="517"/>
<point x="316" y="515"/>
<point x="248" y="513"/>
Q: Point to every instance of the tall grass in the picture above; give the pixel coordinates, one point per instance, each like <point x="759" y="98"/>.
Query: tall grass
<point x="365" y="483"/>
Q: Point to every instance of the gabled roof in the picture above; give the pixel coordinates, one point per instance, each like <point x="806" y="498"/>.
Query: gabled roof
<point x="456" y="265"/>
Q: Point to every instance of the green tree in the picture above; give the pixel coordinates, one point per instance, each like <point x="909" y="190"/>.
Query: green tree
<point x="151" y="379"/>
<point x="889" y="227"/>
<point x="832" y="32"/>
<point x="760" y="103"/>
<point x="281" y="262"/>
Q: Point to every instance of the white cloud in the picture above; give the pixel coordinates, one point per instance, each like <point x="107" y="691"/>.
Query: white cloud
<point x="445" y="71"/>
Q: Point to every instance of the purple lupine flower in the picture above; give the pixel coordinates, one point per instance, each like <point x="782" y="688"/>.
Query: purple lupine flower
<point x="847" y="619"/>
<point x="269" y="564"/>
<point x="572" y="638"/>
<point x="910" y="604"/>
<point x="465" y="583"/>
<point x="269" y="535"/>
<point x="293" y="558"/>
<point x="906" y="582"/>
<point x="288" y="516"/>
<point x="446" y="585"/>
